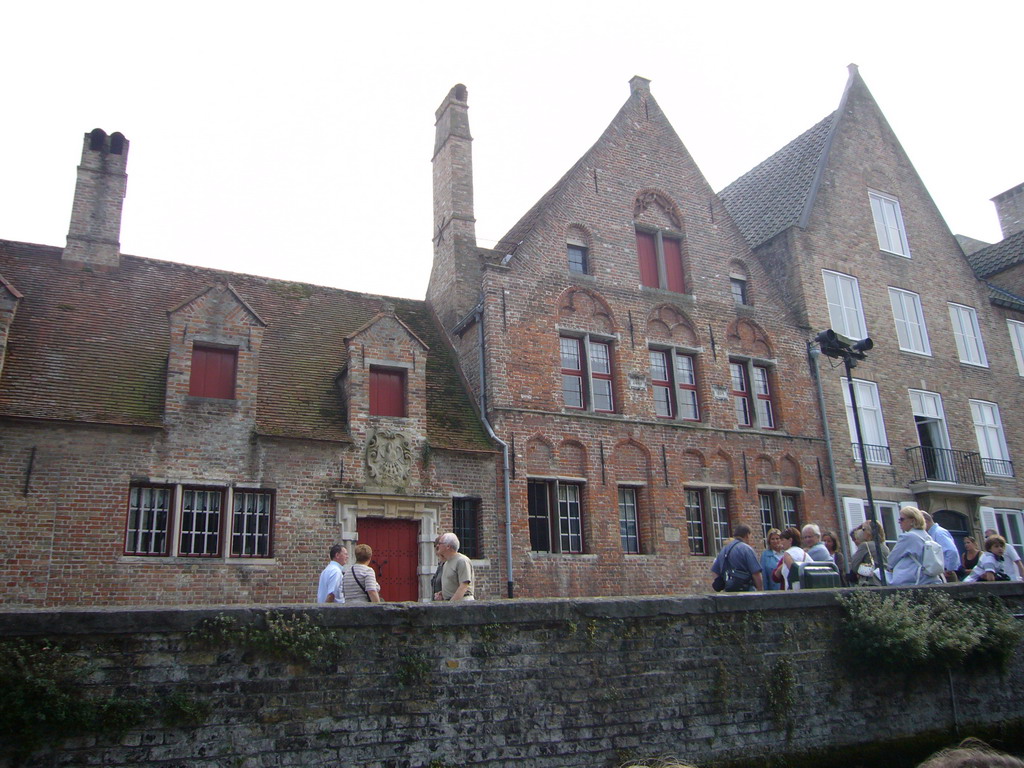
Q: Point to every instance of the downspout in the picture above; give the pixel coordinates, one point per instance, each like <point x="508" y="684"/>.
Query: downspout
<point x="813" y="353"/>
<point x="479" y="313"/>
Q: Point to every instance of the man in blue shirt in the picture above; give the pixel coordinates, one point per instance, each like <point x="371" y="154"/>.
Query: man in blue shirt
<point x="950" y="554"/>
<point x="738" y="558"/>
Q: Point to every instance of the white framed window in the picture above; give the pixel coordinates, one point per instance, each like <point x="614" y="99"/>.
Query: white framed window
<point x="1017" y="342"/>
<point x="967" y="333"/>
<point x="845" y="312"/>
<point x="752" y="404"/>
<point x="887" y="514"/>
<point x="872" y="425"/>
<point x="988" y="429"/>
<point x="909" y="318"/>
<point x="892" y="235"/>
<point x="932" y="436"/>
<point x="1008" y="522"/>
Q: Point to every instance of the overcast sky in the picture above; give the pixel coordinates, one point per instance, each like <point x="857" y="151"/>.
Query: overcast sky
<point x="293" y="139"/>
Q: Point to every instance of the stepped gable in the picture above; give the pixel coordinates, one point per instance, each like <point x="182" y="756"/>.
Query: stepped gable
<point x="92" y="346"/>
<point x="998" y="257"/>
<point x="773" y="196"/>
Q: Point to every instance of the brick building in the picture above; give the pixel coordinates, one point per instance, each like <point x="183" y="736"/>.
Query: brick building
<point x="841" y="219"/>
<point x="635" y="357"/>
<point x="173" y="434"/>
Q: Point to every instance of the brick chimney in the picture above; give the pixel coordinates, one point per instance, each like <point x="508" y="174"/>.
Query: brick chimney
<point x="1010" y="209"/>
<point x="455" y="277"/>
<point x="94" y="236"/>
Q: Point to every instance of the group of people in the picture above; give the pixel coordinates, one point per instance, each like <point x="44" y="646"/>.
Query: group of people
<point x="453" y="579"/>
<point x="737" y="567"/>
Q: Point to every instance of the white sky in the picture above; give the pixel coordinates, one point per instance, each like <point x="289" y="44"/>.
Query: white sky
<point x="293" y="139"/>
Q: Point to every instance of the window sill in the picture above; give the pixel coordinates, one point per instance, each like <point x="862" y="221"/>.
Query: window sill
<point x="915" y="353"/>
<point x="195" y="560"/>
<point x="561" y="555"/>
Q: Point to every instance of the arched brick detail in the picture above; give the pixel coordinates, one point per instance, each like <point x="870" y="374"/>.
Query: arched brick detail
<point x="765" y="470"/>
<point x="670" y="324"/>
<point x="693" y="465"/>
<point x="572" y="458"/>
<point x="631" y="462"/>
<point x="540" y="456"/>
<point x="747" y="337"/>
<point x="583" y="309"/>
<point x="655" y="199"/>
<point x="720" y="469"/>
<point x="789" y="472"/>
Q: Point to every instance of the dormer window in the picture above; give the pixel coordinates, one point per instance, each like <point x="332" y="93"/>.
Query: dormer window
<point x="213" y="372"/>
<point x="387" y="392"/>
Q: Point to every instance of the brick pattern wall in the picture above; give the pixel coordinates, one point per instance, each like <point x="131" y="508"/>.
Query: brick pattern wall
<point x="538" y="684"/>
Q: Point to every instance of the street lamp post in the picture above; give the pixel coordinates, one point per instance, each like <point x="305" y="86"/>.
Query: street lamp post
<point x="833" y="346"/>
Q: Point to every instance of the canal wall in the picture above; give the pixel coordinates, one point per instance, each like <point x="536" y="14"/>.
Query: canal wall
<point x="712" y="680"/>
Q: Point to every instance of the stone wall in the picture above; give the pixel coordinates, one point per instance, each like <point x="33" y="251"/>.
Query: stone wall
<point x="531" y="683"/>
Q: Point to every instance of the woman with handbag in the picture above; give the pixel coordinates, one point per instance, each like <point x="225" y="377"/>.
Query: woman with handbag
<point x="361" y="582"/>
<point x="770" y="558"/>
<point x="863" y="569"/>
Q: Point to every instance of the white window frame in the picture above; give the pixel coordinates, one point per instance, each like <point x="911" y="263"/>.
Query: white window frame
<point x="845" y="310"/>
<point x="872" y="423"/>
<point x="988" y="431"/>
<point x="892" y="234"/>
<point x="908" y="315"/>
<point x="1016" y="329"/>
<point x="629" y="519"/>
<point x="969" y="344"/>
<point x="1009" y="523"/>
<point x="887" y="515"/>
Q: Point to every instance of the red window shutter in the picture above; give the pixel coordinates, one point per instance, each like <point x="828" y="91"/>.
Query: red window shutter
<point x="674" y="265"/>
<point x="387" y="392"/>
<point x="213" y="372"/>
<point x="648" y="254"/>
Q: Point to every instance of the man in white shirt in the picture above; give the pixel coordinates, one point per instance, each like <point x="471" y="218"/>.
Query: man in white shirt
<point x="1016" y="574"/>
<point x="332" y="577"/>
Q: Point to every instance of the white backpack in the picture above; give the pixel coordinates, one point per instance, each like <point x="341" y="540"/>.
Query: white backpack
<point x="931" y="558"/>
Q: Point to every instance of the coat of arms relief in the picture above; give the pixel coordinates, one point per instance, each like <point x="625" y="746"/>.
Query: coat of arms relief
<point x="388" y="458"/>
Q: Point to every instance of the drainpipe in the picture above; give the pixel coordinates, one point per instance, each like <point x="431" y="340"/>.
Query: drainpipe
<point x="479" y="314"/>
<point x="813" y="353"/>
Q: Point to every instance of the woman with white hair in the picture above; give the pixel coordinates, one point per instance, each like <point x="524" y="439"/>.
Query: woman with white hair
<point x="907" y="556"/>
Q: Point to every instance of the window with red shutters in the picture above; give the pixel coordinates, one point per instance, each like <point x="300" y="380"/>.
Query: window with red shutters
<point x="387" y="392"/>
<point x="213" y="372"/>
<point x="661" y="261"/>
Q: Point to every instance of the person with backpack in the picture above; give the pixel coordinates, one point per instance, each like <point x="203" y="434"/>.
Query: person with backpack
<point x="736" y="568"/>
<point x="917" y="557"/>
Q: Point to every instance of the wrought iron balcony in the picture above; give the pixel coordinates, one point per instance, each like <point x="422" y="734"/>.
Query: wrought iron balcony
<point x="877" y="454"/>
<point x="945" y="465"/>
<point x="997" y="467"/>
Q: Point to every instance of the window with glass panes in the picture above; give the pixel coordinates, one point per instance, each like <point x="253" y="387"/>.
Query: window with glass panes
<point x="988" y="430"/>
<point x="846" y="315"/>
<point x="570" y="519"/>
<point x="720" y="518"/>
<point x="563" y="532"/>
<point x="587" y="374"/>
<point x="465" y="525"/>
<point x="909" y="318"/>
<point x="675" y="385"/>
<point x="628" y="532"/>
<point x="577" y="255"/>
<point x="967" y="334"/>
<point x="695" y="522"/>
<point x="740" y="394"/>
<point x="739" y="289"/>
<point x="251" y="523"/>
<point x="766" y="501"/>
<point x="200" y="522"/>
<point x="149" y="517"/>
<point x="892" y="236"/>
<point x="763" y="400"/>
<point x="790" y="517"/>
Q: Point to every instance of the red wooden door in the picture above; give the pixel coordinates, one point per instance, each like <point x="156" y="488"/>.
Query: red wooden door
<point x="395" y="560"/>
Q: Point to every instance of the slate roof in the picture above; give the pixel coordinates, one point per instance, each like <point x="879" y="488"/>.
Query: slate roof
<point x="1005" y="298"/>
<point x="996" y="258"/>
<point x="772" y="196"/>
<point x="91" y="345"/>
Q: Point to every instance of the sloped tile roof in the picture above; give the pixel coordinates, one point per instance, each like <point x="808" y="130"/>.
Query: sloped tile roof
<point x="771" y="197"/>
<point x="997" y="257"/>
<point x="92" y="345"/>
<point x="1005" y="298"/>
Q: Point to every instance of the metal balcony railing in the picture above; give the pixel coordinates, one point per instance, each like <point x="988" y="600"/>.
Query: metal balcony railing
<point x="945" y="465"/>
<point x="877" y="454"/>
<point x="997" y="467"/>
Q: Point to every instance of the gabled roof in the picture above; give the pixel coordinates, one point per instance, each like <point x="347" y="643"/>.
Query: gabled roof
<point x="92" y="346"/>
<point x="997" y="257"/>
<point x="774" y="196"/>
